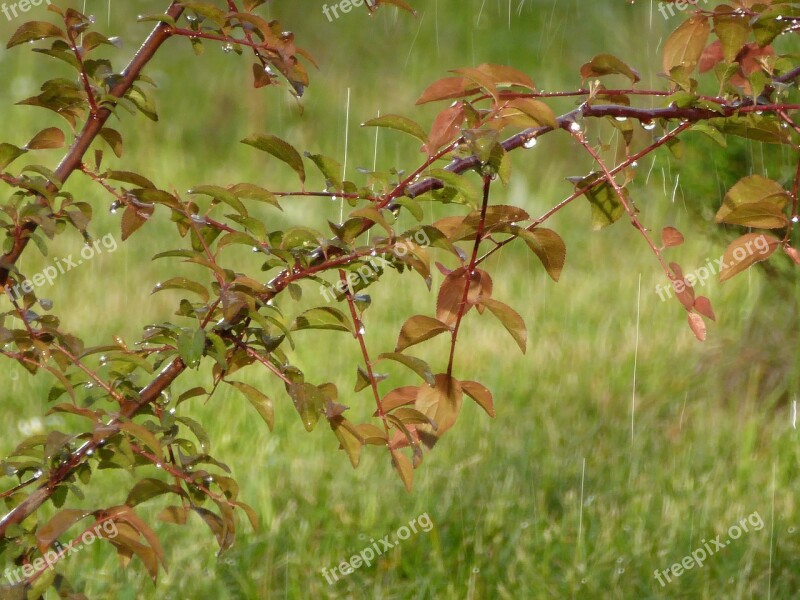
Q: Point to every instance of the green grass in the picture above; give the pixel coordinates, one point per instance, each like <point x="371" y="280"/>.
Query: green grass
<point x="577" y="489"/>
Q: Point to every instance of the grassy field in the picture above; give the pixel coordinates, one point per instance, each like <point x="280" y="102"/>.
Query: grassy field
<point x="621" y="444"/>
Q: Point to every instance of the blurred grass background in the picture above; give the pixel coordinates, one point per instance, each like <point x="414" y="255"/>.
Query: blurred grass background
<point x="620" y="441"/>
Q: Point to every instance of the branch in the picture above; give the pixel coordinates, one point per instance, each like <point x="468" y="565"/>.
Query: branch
<point x="72" y="161"/>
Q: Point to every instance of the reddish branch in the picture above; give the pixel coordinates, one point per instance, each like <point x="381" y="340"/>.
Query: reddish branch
<point x="411" y="186"/>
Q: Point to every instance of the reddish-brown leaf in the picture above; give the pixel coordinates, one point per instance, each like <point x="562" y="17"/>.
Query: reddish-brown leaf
<point x="703" y="306"/>
<point x="698" y="326"/>
<point x="671" y="237"/>
<point x="446" y="128"/>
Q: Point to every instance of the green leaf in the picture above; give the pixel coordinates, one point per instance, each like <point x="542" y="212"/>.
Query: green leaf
<point x="767" y="196"/>
<point x="308" y="402"/>
<point x="259" y="401"/>
<point x="398" y="123"/>
<point x="191" y="344"/>
<point x="331" y="170"/>
<point x="32" y="31"/>
<point x="249" y="191"/>
<point x="606" y="64"/>
<point x="419" y="366"/>
<point x="8" y="154"/>
<point x="222" y="195"/>
<point x="148" y="488"/>
<point x="130" y="177"/>
<point x="606" y="207"/>
<point x="113" y="138"/>
<point x="323" y="317"/>
<point x="181" y="283"/>
<point x="280" y="150"/>
<point x="549" y="247"/>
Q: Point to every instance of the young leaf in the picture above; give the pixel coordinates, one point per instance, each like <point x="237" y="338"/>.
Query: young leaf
<point x="753" y="189"/>
<point x="404" y="468"/>
<point x="698" y="326"/>
<point x="32" y="31"/>
<point x="606" y="64"/>
<point x="510" y="320"/>
<point x="480" y="394"/>
<point x="323" y="317"/>
<point x="447" y="89"/>
<point x="746" y="251"/>
<point x="418" y="329"/>
<point x="400" y="124"/>
<point x="280" y="150"/>
<point x="259" y="401"/>
<point x="8" y="154"/>
<point x="685" y="45"/>
<point x="671" y="237"/>
<point x="52" y="137"/>
<point x="549" y="247"/>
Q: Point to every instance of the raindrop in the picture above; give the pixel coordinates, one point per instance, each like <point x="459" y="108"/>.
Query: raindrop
<point x="227" y="48"/>
<point x="92" y="18"/>
<point x="103" y="359"/>
<point x="158" y="285"/>
<point x="334" y="198"/>
<point x="89" y="452"/>
<point x="621" y="119"/>
<point x="529" y="143"/>
<point x="374" y="252"/>
<point x="574" y="127"/>
<point x="37" y="474"/>
<point x="635" y="164"/>
<point x="172" y="411"/>
<point x="255" y="248"/>
<point x="795" y="219"/>
<point x="88" y="386"/>
<point x="362" y="330"/>
<point x="199" y="219"/>
<point x="159" y="465"/>
<point x="649" y="125"/>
